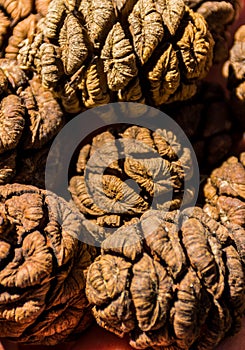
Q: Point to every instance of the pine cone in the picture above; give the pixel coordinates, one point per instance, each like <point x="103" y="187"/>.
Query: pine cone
<point x="96" y="51"/>
<point x="206" y="120"/>
<point x="225" y="192"/>
<point x="124" y="171"/>
<point x="30" y="117"/>
<point x="43" y="263"/>
<point x="170" y="282"/>
<point x="234" y="71"/>
<point x="219" y="14"/>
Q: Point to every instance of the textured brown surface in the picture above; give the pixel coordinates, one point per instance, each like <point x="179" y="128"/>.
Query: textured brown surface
<point x="150" y="51"/>
<point x="234" y="71"/>
<point x="30" y="117"/>
<point x="135" y="169"/>
<point x="42" y="298"/>
<point x="12" y="122"/>
<point x="17" y="9"/>
<point x="4" y="25"/>
<point x="219" y="14"/>
<point x="41" y="6"/>
<point x="25" y="29"/>
<point x="225" y="192"/>
<point x="19" y="23"/>
<point x="45" y="115"/>
<point x="170" y="286"/>
<point x="104" y="63"/>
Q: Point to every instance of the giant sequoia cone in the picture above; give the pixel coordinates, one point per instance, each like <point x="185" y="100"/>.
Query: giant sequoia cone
<point x="234" y="71"/>
<point x="42" y="297"/>
<point x="126" y="170"/>
<point x="225" y="192"/>
<point x="170" y="282"/>
<point x="30" y="117"/>
<point x="95" y="51"/>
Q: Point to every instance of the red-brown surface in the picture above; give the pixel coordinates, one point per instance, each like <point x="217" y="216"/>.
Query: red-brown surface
<point x="98" y="339"/>
<point x="215" y="73"/>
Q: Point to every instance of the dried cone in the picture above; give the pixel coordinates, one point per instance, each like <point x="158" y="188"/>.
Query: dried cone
<point x="96" y="51"/>
<point x="234" y="71"/>
<point x="225" y="192"/>
<point x="170" y="281"/>
<point x="125" y="170"/>
<point x="43" y="265"/>
<point x="206" y="120"/>
<point x="30" y="117"/>
<point x="219" y="14"/>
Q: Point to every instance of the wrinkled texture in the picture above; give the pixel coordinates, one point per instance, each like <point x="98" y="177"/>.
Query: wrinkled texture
<point x="54" y="15"/>
<point x="170" y="281"/>
<point x="12" y="122"/>
<point x="28" y="48"/>
<point x="4" y="26"/>
<point x="19" y="24"/>
<point x="14" y="76"/>
<point x="119" y="59"/>
<point x="225" y="192"/>
<point x="196" y="36"/>
<point x="99" y="17"/>
<point x="32" y="106"/>
<point x="207" y="122"/>
<point x="152" y="51"/>
<point x="30" y="117"/>
<point x="93" y="85"/>
<point x="71" y="41"/>
<point x="42" y="297"/>
<point x="124" y="171"/>
<point x="42" y="7"/>
<point x="50" y="58"/>
<point x="146" y="28"/>
<point x="17" y="9"/>
<point x="23" y="30"/>
<point x="45" y="115"/>
<point x="219" y="16"/>
<point x="234" y="71"/>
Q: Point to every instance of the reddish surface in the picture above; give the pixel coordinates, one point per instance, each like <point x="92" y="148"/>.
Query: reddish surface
<point x="215" y="73"/>
<point x="98" y="339"/>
